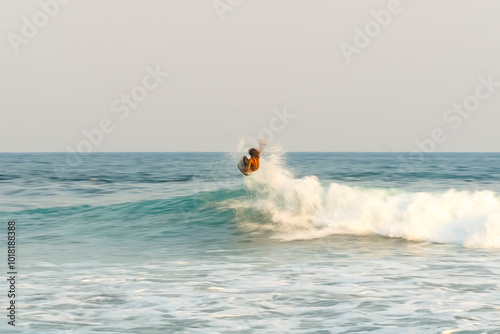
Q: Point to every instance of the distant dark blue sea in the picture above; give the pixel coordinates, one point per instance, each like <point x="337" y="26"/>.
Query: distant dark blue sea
<point x="309" y="243"/>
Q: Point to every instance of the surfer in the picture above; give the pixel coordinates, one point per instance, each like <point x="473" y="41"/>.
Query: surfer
<point x="252" y="164"/>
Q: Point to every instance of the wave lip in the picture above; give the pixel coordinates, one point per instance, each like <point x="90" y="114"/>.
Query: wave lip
<point x="304" y="208"/>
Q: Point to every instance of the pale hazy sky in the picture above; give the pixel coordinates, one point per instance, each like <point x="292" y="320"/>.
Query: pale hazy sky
<point x="227" y="76"/>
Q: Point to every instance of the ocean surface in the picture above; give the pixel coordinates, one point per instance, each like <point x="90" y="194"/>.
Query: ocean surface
<point x="310" y="243"/>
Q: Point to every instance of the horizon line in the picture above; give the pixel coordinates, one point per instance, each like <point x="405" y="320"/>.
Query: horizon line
<point x="108" y="152"/>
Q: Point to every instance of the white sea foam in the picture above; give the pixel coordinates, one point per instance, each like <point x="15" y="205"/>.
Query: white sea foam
<point x="304" y="208"/>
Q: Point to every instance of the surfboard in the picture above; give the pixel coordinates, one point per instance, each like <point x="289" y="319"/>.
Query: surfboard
<point x="243" y="168"/>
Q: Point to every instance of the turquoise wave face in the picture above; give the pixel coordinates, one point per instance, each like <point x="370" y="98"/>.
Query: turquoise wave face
<point x="179" y="187"/>
<point x="150" y="196"/>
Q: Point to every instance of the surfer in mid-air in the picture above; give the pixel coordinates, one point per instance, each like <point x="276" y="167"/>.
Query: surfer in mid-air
<point x="248" y="166"/>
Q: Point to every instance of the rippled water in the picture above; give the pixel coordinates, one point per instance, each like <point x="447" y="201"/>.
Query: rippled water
<point x="311" y="243"/>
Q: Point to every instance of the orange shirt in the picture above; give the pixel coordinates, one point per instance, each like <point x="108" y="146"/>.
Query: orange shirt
<point x="253" y="164"/>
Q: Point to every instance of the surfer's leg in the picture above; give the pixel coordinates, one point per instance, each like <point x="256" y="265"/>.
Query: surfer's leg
<point x="245" y="161"/>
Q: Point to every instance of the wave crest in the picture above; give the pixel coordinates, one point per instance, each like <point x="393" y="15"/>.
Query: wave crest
<point x="304" y="208"/>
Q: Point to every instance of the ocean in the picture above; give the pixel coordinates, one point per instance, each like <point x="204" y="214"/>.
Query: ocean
<point x="310" y="243"/>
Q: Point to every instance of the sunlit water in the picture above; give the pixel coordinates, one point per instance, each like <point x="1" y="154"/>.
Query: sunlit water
<point x="311" y="243"/>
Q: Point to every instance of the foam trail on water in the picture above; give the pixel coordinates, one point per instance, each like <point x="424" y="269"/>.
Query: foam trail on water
<point x="303" y="208"/>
